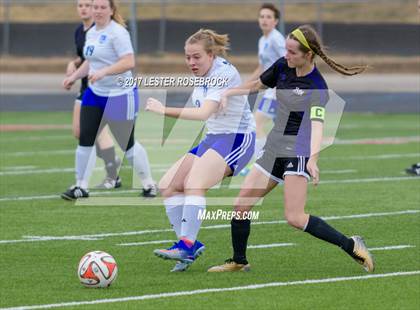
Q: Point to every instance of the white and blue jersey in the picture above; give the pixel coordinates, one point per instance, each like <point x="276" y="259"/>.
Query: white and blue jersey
<point x="104" y="48"/>
<point x="231" y="132"/>
<point x="237" y="117"/>
<point x="270" y="49"/>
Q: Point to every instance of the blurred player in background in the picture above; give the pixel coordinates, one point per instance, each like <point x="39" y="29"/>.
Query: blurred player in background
<point x="292" y="148"/>
<point x="109" y="60"/>
<point x="226" y="149"/>
<point x="414" y="169"/>
<point x="271" y="46"/>
<point x="104" y="143"/>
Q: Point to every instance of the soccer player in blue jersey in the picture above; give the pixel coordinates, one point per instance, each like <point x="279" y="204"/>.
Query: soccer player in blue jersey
<point x="104" y="143"/>
<point x="271" y="46"/>
<point x="225" y="150"/>
<point x="109" y="59"/>
<point x="292" y="148"/>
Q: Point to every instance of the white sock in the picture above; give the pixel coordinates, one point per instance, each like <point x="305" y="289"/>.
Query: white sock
<point x="259" y="144"/>
<point x="85" y="163"/>
<point x="139" y="160"/>
<point x="174" y="207"/>
<point x="190" y="226"/>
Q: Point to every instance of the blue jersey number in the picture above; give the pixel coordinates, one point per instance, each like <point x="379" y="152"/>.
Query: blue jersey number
<point x="89" y="50"/>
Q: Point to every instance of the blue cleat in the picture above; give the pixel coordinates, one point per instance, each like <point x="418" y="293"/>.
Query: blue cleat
<point x="179" y="251"/>
<point x="198" y="250"/>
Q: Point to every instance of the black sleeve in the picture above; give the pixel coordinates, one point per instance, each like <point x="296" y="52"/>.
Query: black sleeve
<point x="75" y="41"/>
<point x="270" y="76"/>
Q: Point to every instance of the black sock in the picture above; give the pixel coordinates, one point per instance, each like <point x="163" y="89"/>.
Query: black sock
<point x="321" y="230"/>
<point x="240" y="230"/>
<point x="108" y="156"/>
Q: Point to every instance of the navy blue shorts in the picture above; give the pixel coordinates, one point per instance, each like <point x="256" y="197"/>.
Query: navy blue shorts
<point x="236" y="149"/>
<point x="116" y="108"/>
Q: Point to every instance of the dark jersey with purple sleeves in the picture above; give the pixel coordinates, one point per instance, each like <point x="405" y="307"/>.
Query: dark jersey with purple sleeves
<point x="302" y="100"/>
<point x="79" y="41"/>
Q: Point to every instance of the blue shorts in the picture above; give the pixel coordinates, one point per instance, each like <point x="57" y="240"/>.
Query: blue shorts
<point x="236" y="149"/>
<point x="116" y="108"/>
<point x="268" y="107"/>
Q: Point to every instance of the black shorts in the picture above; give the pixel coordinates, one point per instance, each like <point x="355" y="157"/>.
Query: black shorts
<point x="278" y="167"/>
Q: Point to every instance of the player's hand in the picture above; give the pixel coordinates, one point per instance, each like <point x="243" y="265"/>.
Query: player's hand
<point x="313" y="169"/>
<point x="154" y="105"/>
<point x="223" y="103"/>
<point x="97" y="76"/>
<point x="68" y="83"/>
<point x="71" y="68"/>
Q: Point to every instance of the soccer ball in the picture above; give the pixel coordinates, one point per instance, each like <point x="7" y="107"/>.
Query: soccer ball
<point x="97" y="269"/>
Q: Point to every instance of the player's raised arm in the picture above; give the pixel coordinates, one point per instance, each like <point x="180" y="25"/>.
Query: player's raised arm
<point x="199" y="114"/>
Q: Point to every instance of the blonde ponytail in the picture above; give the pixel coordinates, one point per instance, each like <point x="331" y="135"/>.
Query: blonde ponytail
<point x="116" y="16"/>
<point x="214" y="43"/>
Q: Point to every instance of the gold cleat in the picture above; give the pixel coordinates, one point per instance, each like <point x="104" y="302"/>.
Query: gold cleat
<point x="230" y="266"/>
<point x="362" y="255"/>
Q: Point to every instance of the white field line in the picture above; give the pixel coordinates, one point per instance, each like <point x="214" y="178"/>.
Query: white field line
<point x="158" y="147"/>
<point x="16" y="168"/>
<point x="276" y="245"/>
<point x="37" y="239"/>
<point x="344" y="171"/>
<point x="232" y="186"/>
<point x="392" y="247"/>
<point x="39" y="171"/>
<point x="220" y="226"/>
<point x="146" y="243"/>
<point x="374" y="157"/>
<point x="381" y="140"/>
<point x="273" y="245"/>
<point x="39" y="153"/>
<point x="36" y="138"/>
<point x="27" y="170"/>
<point x="370" y="180"/>
<point x="57" y="196"/>
<point x="215" y="290"/>
<point x="48" y="171"/>
<point x="10" y="170"/>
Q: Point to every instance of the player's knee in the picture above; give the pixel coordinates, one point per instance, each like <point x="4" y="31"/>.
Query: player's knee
<point x="242" y="204"/>
<point x="294" y="219"/>
<point x="191" y="184"/>
<point x="168" y="190"/>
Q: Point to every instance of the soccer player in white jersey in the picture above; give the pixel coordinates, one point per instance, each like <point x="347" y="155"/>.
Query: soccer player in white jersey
<point x="109" y="60"/>
<point x="225" y="150"/>
<point x="271" y="46"/>
<point x="104" y="144"/>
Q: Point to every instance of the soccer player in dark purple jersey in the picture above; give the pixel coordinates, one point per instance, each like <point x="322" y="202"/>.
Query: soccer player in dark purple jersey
<point x="292" y="148"/>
